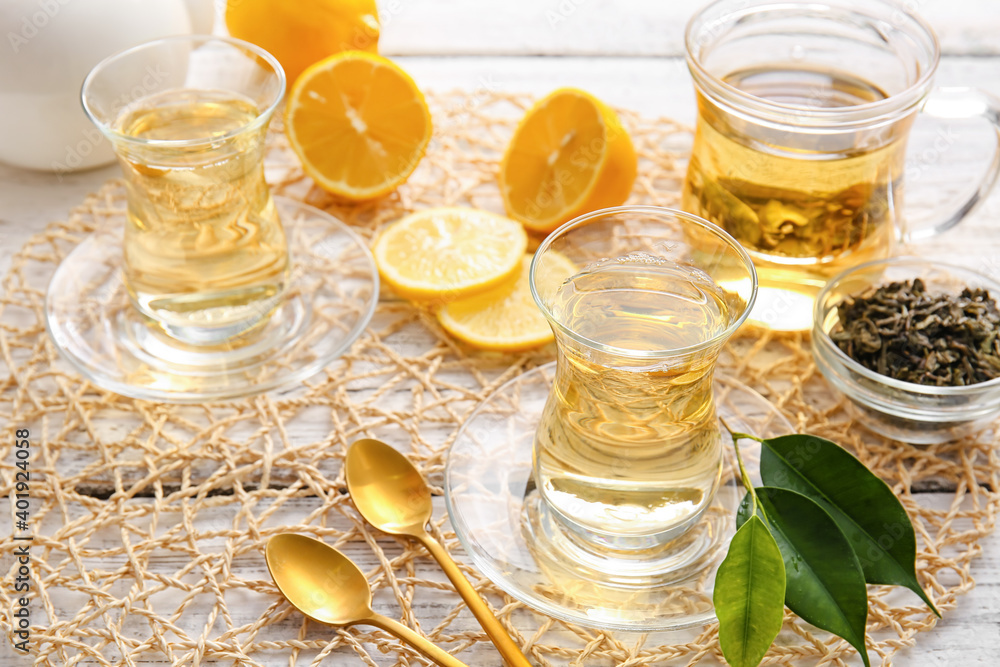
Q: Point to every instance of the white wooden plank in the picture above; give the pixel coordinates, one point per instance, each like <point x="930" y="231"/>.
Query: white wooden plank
<point x="615" y="27"/>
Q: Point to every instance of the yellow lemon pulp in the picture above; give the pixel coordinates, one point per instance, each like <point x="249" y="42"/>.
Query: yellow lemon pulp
<point x="359" y="124"/>
<point x="569" y="155"/>
<point x="443" y="254"/>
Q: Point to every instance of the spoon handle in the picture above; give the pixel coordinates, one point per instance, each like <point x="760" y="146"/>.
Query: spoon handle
<point x="418" y="642"/>
<point x="510" y="651"/>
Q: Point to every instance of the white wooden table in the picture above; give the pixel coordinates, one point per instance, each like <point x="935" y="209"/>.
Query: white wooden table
<point x="629" y="53"/>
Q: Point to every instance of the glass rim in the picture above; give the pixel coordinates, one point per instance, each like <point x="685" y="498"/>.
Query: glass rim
<point x="858" y="114"/>
<point x="662" y="212"/>
<point x="262" y="117"/>
<point x="822" y="336"/>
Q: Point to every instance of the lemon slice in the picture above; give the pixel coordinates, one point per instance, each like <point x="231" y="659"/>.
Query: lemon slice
<point x="358" y="123"/>
<point x="444" y="254"/>
<point x="506" y="317"/>
<point x="569" y="155"/>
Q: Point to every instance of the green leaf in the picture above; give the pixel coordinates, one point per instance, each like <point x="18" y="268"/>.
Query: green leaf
<point x="825" y="585"/>
<point x="864" y="507"/>
<point x="749" y="595"/>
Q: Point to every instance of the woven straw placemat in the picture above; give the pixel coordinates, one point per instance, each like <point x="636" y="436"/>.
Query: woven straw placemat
<point x="149" y="519"/>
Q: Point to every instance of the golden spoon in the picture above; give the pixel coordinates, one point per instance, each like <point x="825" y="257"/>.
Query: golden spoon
<point x="328" y="587"/>
<point x="392" y="496"/>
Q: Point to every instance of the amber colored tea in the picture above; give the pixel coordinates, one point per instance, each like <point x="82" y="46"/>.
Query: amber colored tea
<point x="626" y="446"/>
<point x="204" y="249"/>
<point x="804" y="212"/>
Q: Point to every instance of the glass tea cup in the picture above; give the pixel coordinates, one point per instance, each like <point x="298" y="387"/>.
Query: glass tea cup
<point x="205" y="254"/>
<point x="804" y="110"/>
<point x="628" y="452"/>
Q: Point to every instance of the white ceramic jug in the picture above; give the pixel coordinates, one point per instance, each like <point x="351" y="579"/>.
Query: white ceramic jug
<point x="46" y="49"/>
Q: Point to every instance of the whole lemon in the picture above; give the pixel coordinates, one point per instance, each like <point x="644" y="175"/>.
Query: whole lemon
<point x="303" y="32"/>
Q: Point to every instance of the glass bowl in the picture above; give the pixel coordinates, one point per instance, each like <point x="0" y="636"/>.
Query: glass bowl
<point x="905" y="411"/>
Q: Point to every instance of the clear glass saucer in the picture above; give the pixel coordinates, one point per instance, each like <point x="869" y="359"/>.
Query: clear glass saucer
<point x="493" y="505"/>
<point x="330" y="299"/>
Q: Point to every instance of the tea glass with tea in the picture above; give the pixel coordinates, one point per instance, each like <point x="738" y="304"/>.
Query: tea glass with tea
<point x="197" y="290"/>
<point x="804" y="110"/>
<point x="627" y="455"/>
<point x="205" y="253"/>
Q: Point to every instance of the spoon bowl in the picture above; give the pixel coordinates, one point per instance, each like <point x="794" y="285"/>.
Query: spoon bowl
<point x="388" y="491"/>
<point x="328" y="587"/>
<point x="335" y="594"/>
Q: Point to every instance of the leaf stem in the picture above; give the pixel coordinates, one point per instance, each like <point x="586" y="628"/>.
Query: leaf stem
<point x="744" y="476"/>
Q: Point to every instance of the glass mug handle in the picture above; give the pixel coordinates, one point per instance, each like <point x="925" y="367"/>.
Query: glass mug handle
<point x="961" y="103"/>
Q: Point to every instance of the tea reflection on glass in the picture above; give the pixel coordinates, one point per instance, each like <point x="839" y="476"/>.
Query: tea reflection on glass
<point x="819" y="210"/>
<point x="203" y="243"/>
<point x="628" y="452"/>
<point x="624" y="446"/>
